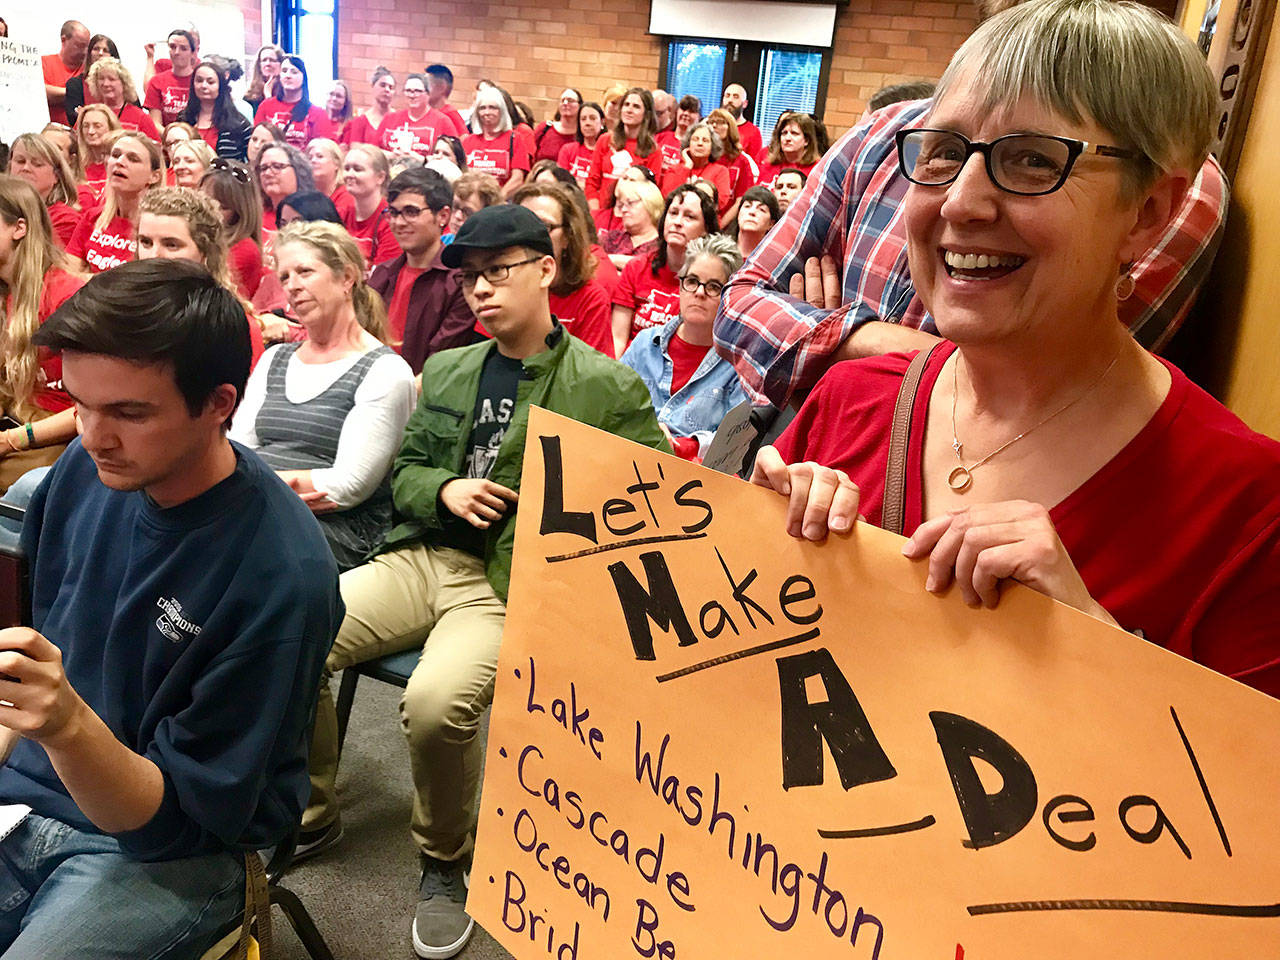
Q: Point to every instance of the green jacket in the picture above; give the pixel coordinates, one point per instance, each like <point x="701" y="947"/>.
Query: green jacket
<point x="570" y="379"/>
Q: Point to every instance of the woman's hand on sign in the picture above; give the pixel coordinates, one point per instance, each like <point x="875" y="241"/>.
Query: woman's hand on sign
<point x="479" y="502"/>
<point x="820" y="499"/>
<point x="982" y="545"/>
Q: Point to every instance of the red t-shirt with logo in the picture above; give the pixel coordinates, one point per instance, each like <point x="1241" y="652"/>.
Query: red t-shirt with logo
<point x="576" y="158"/>
<point x="656" y="300"/>
<point x="508" y="151"/>
<point x="133" y="117"/>
<point x="168" y="94"/>
<point x="669" y="144"/>
<point x="373" y="236"/>
<point x="401" y="133"/>
<point x="49" y="394"/>
<point x="103" y="248"/>
<point x="586" y="314"/>
<point x="608" y="166"/>
<point x="296" y="132"/>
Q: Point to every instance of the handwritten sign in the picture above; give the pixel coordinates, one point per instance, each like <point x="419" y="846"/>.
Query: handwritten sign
<point x="23" y="108"/>
<point x="728" y="449"/>
<point x="712" y="740"/>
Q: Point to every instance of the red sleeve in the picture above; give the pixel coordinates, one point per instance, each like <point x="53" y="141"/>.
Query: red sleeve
<point x="246" y="267"/>
<point x="80" y="238"/>
<point x="385" y="246"/>
<point x="596" y="174"/>
<point x="521" y="151"/>
<point x="65" y="219"/>
<point x="593" y="324"/>
<point x="564" y="157"/>
<point x="624" y="294"/>
<point x="255" y="341"/>
<point x="260" y="115"/>
<point x="455" y="120"/>
<point x="606" y="272"/>
<point x="153" y="99"/>
<point x="148" y="126"/>
<point x="718" y="174"/>
<point x="674" y="177"/>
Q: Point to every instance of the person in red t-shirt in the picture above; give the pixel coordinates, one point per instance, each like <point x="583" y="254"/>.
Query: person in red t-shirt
<point x="794" y="144"/>
<point x="37" y="161"/>
<point x="630" y="143"/>
<point x="426" y="309"/>
<point x="577" y="298"/>
<point x="550" y="138"/>
<point x="688" y="112"/>
<point x="495" y="148"/>
<point x="364" y="128"/>
<point x="439" y="88"/>
<point x="744" y="172"/>
<point x="1045" y="445"/>
<point x="337" y="113"/>
<point x="59" y="67"/>
<point x="112" y="86"/>
<point x="576" y="155"/>
<point x="168" y="90"/>
<point x="365" y="173"/>
<point x="282" y="170"/>
<point x="648" y="293"/>
<point x="104" y="238"/>
<point x="31" y="391"/>
<point x="700" y="160"/>
<point x="326" y="159"/>
<point x="291" y="110"/>
<point x="231" y="187"/>
<point x="94" y="127"/>
<point x="213" y="114"/>
<point x="413" y="131"/>
<point x="735" y="101"/>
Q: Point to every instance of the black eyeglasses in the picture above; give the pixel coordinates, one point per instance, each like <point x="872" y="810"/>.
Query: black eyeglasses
<point x="238" y="172"/>
<point x="690" y="284"/>
<point x="1026" y="164"/>
<point x="494" y="273"/>
<point x="408" y="212"/>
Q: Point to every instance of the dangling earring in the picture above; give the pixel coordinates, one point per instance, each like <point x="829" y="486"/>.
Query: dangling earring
<point x="1125" y="285"/>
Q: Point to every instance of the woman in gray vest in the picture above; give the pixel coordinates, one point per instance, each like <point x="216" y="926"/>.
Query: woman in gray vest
<point x="327" y="413"/>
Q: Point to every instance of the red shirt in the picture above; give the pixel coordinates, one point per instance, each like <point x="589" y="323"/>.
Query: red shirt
<point x="105" y="248"/>
<point x="576" y="158"/>
<point x="245" y="260"/>
<point x="608" y="166"/>
<point x="374" y="236"/>
<point x="606" y="272"/>
<point x="685" y="358"/>
<point x="89" y="193"/>
<point x="168" y="94"/>
<point x="743" y="174"/>
<point x="65" y="220"/>
<point x="401" y="133"/>
<point x="56" y="74"/>
<point x="344" y="202"/>
<point x="500" y="155"/>
<point x="328" y="128"/>
<point x="656" y="300"/>
<point x="399" y="305"/>
<point x="210" y="136"/>
<point x="298" y="133"/>
<point x="716" y="173"/>
<point x="548" y="142"/>
<point x="455" y="118"/>
<point x="359" y="130"/>
<point x="750" y="140"/>
<point x="1178" y="535"/>
<point x="769" y="171"/>
<point x="585" y="313"/>
<point x="669" y="144"/>
<point x="49" y="394"/>
<point x="133" y="117"/>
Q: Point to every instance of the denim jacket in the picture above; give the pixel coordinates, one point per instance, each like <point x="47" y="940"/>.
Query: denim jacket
<point x="698" y="407"/>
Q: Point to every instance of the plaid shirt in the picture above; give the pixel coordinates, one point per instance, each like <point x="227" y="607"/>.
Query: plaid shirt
<point x="851" y="209"/>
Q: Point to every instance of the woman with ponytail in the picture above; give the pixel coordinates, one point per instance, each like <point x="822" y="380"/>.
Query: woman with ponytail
<point x="35" y="278"/>
<point x="342" y="373"/>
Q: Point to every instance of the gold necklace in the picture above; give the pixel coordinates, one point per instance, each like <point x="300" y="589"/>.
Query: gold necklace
<point x="960" y="479"/>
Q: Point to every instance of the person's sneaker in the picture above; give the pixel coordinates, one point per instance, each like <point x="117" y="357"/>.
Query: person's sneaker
<point x="441" y="927"/>
<point x="314" y="842"/>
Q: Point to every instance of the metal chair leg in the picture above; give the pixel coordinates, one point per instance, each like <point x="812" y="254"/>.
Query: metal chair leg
<point x="346" y="695"/>
<point x="302" y="923"/>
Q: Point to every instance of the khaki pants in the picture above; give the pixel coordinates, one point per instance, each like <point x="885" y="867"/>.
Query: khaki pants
<point x="440" y="600"/>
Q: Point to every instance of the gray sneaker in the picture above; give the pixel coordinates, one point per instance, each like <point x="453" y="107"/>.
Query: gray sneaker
<point x="441" y="927"/>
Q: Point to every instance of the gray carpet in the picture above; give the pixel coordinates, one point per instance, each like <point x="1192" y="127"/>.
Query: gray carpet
<point x="362" y="892"/>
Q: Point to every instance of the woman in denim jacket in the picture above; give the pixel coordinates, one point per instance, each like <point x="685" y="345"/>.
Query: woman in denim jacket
<point x="691" y="385"/>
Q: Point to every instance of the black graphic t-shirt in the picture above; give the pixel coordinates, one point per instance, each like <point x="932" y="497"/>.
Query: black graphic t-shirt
<point x="495" y="402"/>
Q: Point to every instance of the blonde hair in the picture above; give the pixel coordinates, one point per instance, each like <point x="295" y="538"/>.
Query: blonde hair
<point x="644" y="191"/>
<point x="111" y="65"/>
<point x="203" y="220"/>
<point x="84" y="153"/>
<point x="1120" y="64"/>
<point x="110" y="206"/>
<point x="35" y="255"/>
<point x="339" y="252"/>
<point x="201" y="150"/>
<point x="64" y="187"/>
<point x="378" y="160"/>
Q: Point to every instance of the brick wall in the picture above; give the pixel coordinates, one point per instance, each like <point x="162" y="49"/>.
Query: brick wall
<point x="536" y="49"/>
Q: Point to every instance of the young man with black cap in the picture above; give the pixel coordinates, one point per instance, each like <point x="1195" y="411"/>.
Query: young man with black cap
<point x="442" y="582"/>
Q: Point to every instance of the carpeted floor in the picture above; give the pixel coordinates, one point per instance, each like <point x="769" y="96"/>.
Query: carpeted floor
<point x="362" y="892"/>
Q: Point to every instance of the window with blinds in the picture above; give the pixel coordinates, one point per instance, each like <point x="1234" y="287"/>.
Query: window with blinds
<point x="788" y="81"/>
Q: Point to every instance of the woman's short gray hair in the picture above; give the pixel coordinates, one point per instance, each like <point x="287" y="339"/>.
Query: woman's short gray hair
<point x="717" y="245"/>
<point x="1119" y="64"/>
<point x="717" y="145"/>
<point x="490" y="97"/>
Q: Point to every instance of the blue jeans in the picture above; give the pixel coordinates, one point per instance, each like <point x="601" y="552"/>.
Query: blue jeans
<point x="68" y="894"/>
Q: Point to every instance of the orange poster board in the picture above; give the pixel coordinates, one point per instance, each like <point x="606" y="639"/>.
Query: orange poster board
<point x="710" y="740"/>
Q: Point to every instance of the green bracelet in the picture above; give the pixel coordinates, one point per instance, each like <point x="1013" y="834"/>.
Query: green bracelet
<point x="31" y="435"/>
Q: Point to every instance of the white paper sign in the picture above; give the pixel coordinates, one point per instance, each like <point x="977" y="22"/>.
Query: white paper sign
<point x="732" y="441"/>
<point x="23" y="106"/>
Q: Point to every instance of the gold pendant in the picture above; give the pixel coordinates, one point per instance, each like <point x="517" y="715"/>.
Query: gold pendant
<point x="960" y="479"/>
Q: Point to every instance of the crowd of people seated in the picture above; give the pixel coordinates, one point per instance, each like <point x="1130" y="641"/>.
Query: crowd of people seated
<point x="388" y="289"/>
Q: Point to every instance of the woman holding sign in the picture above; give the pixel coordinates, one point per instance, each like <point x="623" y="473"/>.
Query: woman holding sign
<point x="1045" y="445"/>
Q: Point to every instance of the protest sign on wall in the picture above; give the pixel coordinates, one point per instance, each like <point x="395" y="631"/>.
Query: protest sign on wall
<point x="23" y="107"/>
<point x="712" y="740"/>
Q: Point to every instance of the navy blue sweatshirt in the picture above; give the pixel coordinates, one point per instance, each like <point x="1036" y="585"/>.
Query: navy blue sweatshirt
<point x="198" y="633"/>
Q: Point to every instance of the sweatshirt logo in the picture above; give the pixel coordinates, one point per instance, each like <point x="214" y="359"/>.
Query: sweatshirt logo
<point x="173" y="624"/>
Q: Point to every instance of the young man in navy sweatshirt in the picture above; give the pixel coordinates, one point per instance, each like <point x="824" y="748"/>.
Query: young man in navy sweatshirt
<point x="183" y="602"/>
